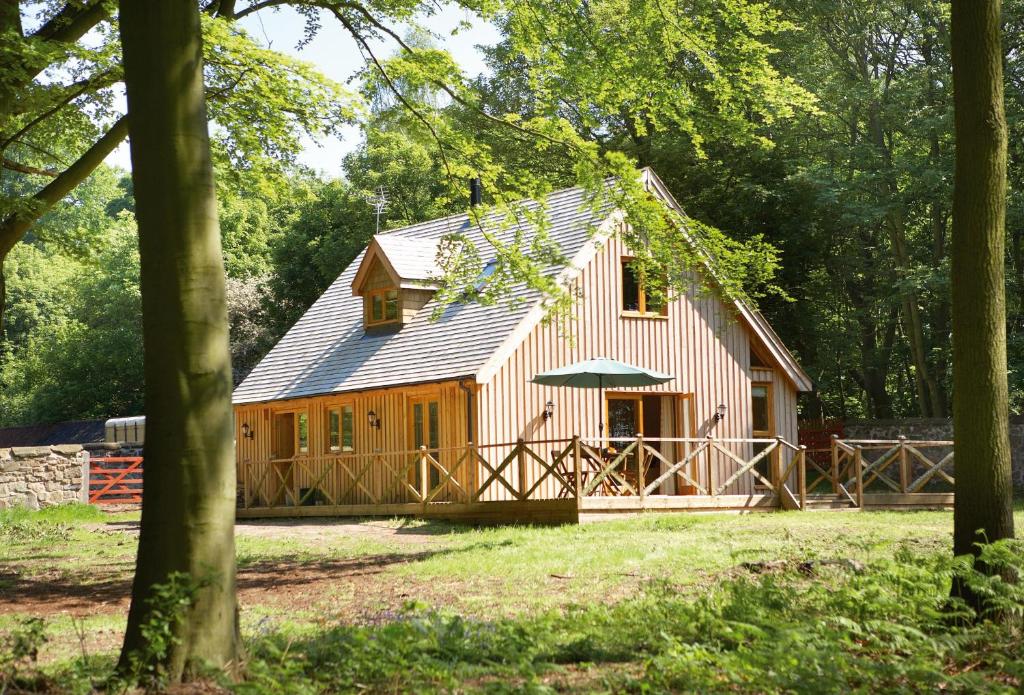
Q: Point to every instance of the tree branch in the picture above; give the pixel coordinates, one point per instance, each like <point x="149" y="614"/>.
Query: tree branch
<point x="72" y="22"/>
<point x="26" y="169"/>
<point x="14" y="225"/>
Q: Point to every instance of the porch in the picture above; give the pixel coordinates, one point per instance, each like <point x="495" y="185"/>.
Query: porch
<point x="576" y="480"/>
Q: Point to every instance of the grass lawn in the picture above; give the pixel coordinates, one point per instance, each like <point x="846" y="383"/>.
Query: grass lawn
<point x="780" y="602"/>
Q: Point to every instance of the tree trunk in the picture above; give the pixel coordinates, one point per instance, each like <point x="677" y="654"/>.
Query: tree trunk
<point x="188" y="507"/>
<point x="980" y="410"/>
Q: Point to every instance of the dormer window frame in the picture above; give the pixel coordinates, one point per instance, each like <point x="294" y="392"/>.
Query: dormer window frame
<point x="383" y="293"/>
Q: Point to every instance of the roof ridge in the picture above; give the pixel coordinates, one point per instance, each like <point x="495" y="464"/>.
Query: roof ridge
<point x="445" y="218"/>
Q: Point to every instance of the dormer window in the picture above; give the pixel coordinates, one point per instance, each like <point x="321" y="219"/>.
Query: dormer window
<point x="396" y="278"/>
<point x="381" y="306"/>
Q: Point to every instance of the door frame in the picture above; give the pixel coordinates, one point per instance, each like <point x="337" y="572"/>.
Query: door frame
<point x="425" y="399"/>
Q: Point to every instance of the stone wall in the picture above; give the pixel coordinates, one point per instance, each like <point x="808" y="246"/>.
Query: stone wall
<point x="36" y="477"/>
<point x="935" y="429"/>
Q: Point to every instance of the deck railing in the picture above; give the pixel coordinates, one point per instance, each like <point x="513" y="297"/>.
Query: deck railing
<point x="546" y="469"/>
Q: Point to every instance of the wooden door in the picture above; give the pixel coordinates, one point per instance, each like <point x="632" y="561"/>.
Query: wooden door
<point x="283" y="474"/>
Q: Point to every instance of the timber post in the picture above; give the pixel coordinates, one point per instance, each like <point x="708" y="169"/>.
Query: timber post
<point x="576" y="471"/>
<point x="801" y="476"/>
<point x="521" y="465"/>
<point x="834" y="445"/>
<point x="471" y="472"/>
<point x="707" y="459"/>
<point x="424" y="480"/>
<point x="776" y="466"/>
<point x="640" y="480"/>
<point x="904" y="467"/>
<point x="858" y="465"/>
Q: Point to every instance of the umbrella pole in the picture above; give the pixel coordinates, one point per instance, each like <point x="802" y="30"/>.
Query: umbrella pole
<point x="600" y="410"/>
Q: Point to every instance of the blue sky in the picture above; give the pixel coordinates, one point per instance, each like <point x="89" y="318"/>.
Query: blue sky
<point x="337" y="56"/>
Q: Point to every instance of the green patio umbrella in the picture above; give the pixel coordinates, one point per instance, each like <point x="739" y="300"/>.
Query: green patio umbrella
<point x="600" y="373"/>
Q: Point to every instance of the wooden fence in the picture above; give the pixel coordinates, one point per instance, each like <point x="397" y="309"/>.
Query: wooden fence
<point x="561" y="478"/>
<point x="115" y="480"/>
<point x="515" y="475"/>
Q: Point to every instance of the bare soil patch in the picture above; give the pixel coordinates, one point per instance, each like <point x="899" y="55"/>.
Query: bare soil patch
<point x="288" y="584"/>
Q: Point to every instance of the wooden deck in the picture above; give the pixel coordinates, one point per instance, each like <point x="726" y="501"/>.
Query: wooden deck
<point x="576" y="481"/>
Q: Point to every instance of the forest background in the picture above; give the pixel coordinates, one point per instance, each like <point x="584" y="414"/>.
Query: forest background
<point x="854" y="193"/>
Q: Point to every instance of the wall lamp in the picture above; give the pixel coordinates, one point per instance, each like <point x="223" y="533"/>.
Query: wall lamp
<point x="248" y="432"/>
<point x="720" y="413"/>
<point x="374" y="419"/>
<point x="549" y="410"/>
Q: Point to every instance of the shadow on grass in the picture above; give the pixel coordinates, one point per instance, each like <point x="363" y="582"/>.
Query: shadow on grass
<point x="93" y="590"/>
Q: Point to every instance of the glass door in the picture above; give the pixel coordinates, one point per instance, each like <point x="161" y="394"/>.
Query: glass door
<point x="424" y="423"/>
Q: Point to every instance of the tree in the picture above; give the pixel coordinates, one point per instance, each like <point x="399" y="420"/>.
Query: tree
<point x="984" y="495"/>
<point x="58" y="115"/>
<point x="189" y="495"/>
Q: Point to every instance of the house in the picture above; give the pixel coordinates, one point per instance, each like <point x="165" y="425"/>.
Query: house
<point x="338" y="413"/>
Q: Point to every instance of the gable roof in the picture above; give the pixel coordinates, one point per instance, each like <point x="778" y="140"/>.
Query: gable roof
<point x="327" y="350"/>
<point x="410" y="261"/>
<point x="751" y="316"/>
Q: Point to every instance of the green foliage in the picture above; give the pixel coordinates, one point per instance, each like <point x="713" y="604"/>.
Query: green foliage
<point x="76" y="341"/>
<point x="809" y="627"/>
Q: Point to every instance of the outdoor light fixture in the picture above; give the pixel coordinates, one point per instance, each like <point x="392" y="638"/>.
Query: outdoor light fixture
<point x="374" y="420"/>
<point x="549" y="410"/>
<point x="720" y="413"/>
<point x="248" y="432"/>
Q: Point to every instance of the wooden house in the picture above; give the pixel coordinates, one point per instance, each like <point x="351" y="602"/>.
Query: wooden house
<point x="336" y="413"/>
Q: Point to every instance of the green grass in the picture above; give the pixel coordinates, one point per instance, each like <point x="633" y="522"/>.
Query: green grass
<point x="651" y="604"/>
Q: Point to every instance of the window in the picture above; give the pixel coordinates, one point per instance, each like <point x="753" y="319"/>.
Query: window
<point x="302" y="432"/>
<point x="485" y="275"/>
<point x="382" y="306"/>
<point x="340" y="429"/>
<point x="635" y="299"/>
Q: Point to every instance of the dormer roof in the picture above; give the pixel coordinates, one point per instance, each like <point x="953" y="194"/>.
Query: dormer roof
<point x="410" y="261"/>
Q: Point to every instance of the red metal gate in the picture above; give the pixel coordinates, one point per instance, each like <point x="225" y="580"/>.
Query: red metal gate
<point x="115" y="480"/>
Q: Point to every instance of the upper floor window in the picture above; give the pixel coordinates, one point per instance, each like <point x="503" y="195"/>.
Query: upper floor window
<point x="381" y="306"/>
<point x="635" y="298"/>
<point x="340" y="429"/>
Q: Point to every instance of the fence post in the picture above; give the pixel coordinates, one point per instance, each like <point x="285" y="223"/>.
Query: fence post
<point x="858" y="465"/>
<point x="835" y="464"/>
<point x="711" y="487"/>
<point x="84" y="492"/>
<point x="904" y="468"/>
<point x="576" y="471"/>
<point x="471" y="472"/>
<point x="775" y="466"/>
<point x="521" y="464"/>
<point x="424" y="478"/>
<point x="640" y="478"/>
<point x="801" y="476"/>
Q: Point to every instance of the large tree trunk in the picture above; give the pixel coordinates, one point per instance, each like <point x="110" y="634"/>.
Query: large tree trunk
<point x="188" y="506"/>
<point x="980" y="412"/>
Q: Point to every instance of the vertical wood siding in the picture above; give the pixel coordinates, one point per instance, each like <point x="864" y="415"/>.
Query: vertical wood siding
<point x="701" y="342"/>
<point x="393" y="408"/>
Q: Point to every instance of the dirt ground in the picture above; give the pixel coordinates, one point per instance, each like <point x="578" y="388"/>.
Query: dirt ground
<point x="286" y="584"/>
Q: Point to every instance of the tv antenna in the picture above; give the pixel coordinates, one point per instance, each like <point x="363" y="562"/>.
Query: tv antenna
<point x="379" y="201"/>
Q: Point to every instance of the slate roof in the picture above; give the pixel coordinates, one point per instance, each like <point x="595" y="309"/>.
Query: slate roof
<point x="70" y="432"/>
<point x="327" y="350"/>
<point x="412" y="257"/>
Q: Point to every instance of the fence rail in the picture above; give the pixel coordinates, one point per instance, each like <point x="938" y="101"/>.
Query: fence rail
<point x="115" y="480"/>
<point x="637" y="468"/>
